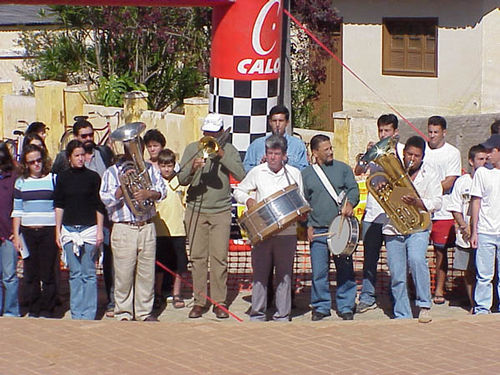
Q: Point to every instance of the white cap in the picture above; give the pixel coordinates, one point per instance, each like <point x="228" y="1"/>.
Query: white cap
<point x="212" y="123"/>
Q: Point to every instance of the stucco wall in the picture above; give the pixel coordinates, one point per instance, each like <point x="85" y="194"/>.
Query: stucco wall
<point x="17" y="108"/>
<point x="8" y="64"/>
<point x="468" y="58"/>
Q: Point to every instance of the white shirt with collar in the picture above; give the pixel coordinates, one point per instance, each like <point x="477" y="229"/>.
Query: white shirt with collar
<point x="264" y="182"/>
<point x="428" y="186"/>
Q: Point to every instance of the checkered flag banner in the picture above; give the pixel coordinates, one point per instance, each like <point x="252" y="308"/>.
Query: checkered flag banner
<point x="244" y="106"/>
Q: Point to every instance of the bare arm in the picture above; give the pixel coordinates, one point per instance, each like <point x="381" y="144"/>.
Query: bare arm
<point x="475" y="205"/>
<point x="464" y="228"/>
<point x="448" y="182"/>
<point x="16" y="226"/>
<point x="59" y="216"/>
<point x="100" y="233"/>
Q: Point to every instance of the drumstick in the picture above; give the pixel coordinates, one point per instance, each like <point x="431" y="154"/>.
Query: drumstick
<point x="324" y="234"/>
<point x="342" y="218"/>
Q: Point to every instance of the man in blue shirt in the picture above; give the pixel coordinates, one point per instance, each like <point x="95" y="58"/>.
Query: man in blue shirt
<point x="279" y="119"/>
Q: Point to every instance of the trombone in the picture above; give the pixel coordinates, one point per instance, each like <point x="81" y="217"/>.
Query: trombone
<point x="208" y="146"/>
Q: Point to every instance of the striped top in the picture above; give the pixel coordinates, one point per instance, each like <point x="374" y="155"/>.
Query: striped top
<point x="118" y="211"/>
<point x="34" y="201"/>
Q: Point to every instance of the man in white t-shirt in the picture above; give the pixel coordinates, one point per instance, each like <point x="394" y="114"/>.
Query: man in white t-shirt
<point x="446" y="161"/>
<point x="459" y="207"/>
<point x="485" y="225"/>
<point x="374" y="219"/>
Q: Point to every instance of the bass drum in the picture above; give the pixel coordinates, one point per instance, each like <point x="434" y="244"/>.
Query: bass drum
<point x="344" y="236"/>
<point x="273" y="214"/>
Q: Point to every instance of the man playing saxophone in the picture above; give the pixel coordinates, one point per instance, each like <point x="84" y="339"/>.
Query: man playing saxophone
<point x="133" y="238"/>
<point x="410" y="250"/>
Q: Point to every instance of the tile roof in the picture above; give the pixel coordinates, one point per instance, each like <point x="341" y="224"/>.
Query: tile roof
<point x="14" y="15"/>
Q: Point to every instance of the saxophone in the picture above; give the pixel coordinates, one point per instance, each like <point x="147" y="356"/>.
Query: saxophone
<point x="133" y="174"/>
<point x="388" y="186"/>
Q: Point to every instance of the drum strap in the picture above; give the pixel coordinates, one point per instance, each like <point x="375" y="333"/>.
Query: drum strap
<point x="338" y="198"/>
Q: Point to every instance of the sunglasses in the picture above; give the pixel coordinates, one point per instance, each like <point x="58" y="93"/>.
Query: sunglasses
<point x="33" y="162"/>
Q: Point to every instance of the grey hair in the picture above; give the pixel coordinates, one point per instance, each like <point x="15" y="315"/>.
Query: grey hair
<point x="277" y="141"/>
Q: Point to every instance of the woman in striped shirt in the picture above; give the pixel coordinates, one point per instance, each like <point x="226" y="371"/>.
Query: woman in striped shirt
<point x="34" y="228"/>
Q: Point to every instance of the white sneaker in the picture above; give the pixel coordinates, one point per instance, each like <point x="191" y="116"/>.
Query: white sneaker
<point x="424" y="316"/>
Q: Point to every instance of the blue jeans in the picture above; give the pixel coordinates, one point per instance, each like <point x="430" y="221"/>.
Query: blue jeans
<point x="488" y="251"/>
<point x="372" y="242"/>
<point x="346" y="285"/>
<point x="403" y="252"/>
<point x="10" y="282"/>
<point x="82" y="278"/>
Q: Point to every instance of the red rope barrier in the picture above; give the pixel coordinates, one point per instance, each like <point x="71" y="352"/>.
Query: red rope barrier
<point x="196" y="291"/>
<point x="313" y="37"/>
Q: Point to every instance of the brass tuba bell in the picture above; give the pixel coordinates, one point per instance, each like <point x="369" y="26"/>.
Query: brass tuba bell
<point x="133" y="174"/>
<point x="389" y="185"/>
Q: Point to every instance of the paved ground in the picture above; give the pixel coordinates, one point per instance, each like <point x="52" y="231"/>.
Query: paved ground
<point x="461" y="345"/>
<point x="454" y="343"/>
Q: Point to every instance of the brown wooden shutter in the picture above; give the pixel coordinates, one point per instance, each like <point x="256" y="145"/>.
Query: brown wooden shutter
<point x="409" y="46"/>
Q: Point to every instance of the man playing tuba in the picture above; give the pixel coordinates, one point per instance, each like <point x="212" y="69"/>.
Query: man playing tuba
<point x="410" y="250"/>
<point x="133" y="238"/>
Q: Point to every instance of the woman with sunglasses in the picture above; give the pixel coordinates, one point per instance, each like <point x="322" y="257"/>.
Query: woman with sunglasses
<point x="79" y="229"/>
<point x="9" y="306"/>
<point x="34" y="219"/>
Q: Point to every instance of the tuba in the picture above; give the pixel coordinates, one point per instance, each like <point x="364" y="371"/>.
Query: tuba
<point x="133" y="174"/>
<point x="389" y="185"/>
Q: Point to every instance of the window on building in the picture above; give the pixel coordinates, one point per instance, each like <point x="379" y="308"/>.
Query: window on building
<point x="409" y="47"/>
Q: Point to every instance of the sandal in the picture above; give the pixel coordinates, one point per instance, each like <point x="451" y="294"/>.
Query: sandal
<point x="178" y="302"/>
<point x="438" y="300"/>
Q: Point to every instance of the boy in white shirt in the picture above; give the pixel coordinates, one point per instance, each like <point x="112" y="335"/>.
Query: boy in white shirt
<point x="485" y="225"/>
<point x="459" y="207"/>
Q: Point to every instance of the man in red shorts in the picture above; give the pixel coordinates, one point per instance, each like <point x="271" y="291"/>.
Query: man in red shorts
<point x="446" y="161"/>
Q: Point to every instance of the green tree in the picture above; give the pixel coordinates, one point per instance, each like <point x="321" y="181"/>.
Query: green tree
<point x="162" y="50"/>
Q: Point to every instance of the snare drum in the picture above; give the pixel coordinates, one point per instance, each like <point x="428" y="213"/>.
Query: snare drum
<point x="273" y="214"/>
<point x="344" y="235"/>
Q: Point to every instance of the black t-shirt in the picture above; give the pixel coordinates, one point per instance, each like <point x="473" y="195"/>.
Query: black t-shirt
<point x="77" y="193"/>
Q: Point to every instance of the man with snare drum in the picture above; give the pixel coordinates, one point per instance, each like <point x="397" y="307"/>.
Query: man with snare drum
<point x="325" y="207"/>
<point x="277" y="250"/>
